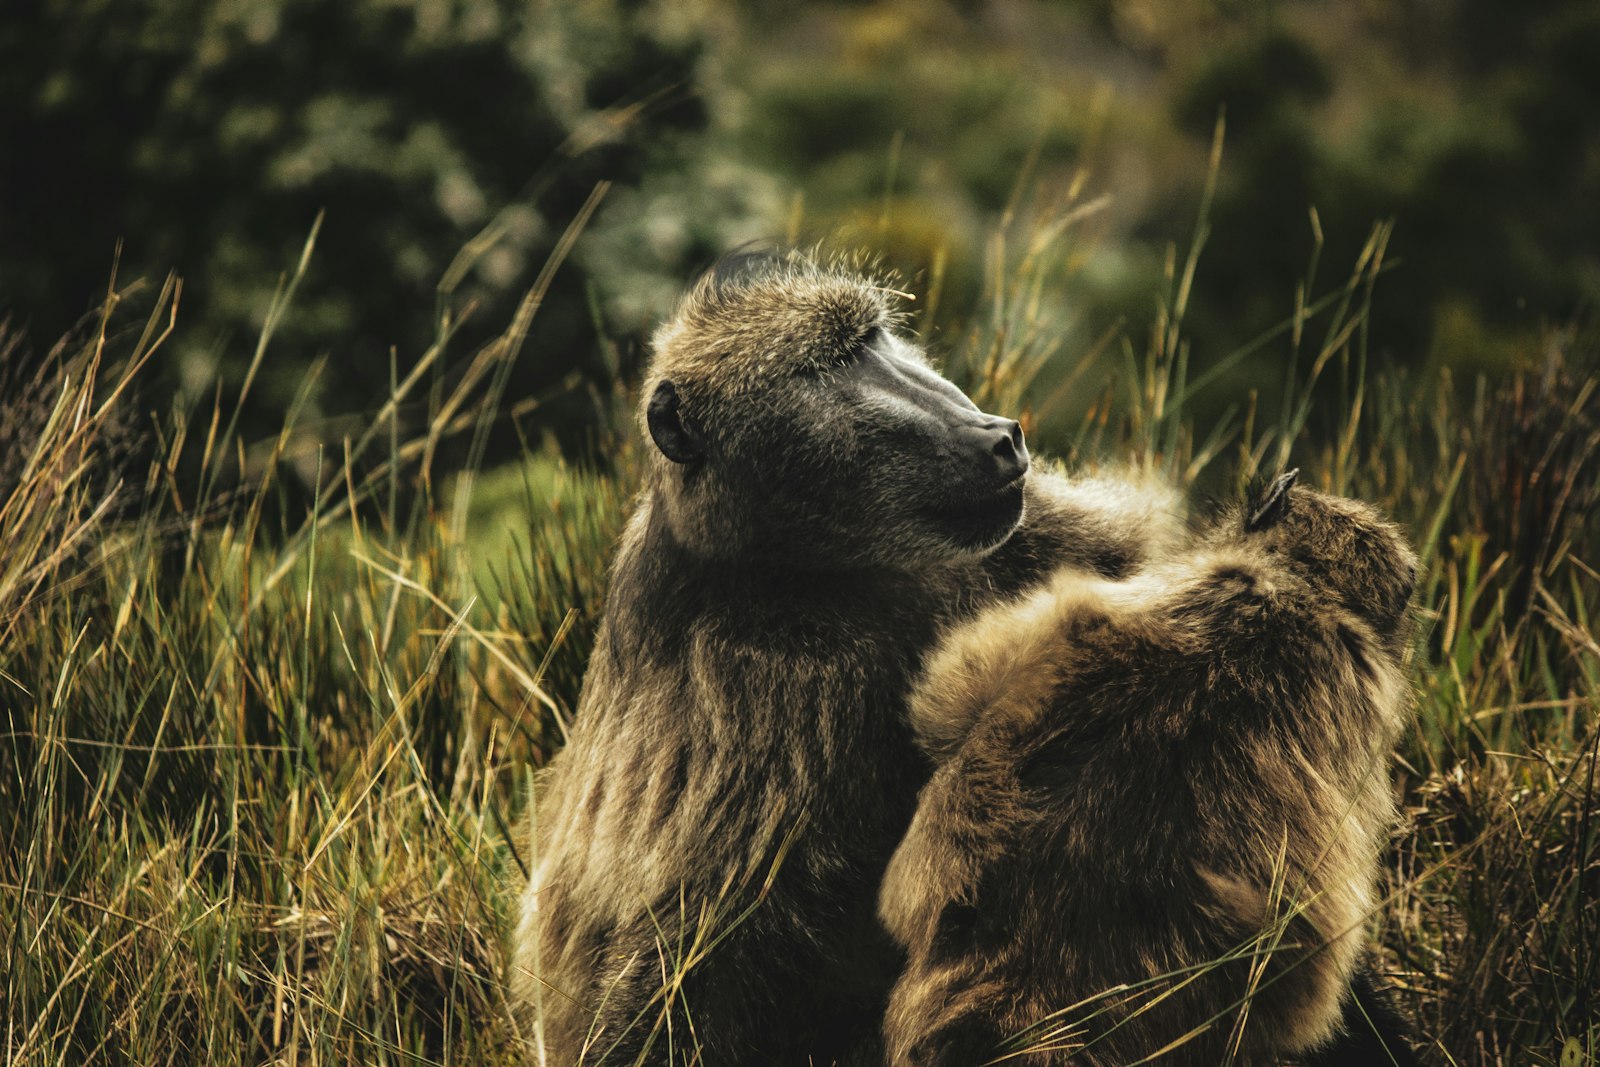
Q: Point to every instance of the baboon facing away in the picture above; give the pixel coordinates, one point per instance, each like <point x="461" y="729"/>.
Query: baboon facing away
<point x="818" y="504"/>
<point x="1156" y="824"/>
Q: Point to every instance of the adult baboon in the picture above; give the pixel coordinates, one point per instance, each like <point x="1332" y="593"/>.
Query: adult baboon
<point x="1157" y="820"/>
<point x="818" y="504"/>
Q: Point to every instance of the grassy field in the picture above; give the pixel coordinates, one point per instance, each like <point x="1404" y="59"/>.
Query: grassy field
<point x="262" y="762"/>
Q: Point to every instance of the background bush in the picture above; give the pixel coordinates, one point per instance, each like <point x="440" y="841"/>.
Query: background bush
<point x="206" y="136"/>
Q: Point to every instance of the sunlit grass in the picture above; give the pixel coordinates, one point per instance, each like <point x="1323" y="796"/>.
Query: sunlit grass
<point x="265" y="742"/>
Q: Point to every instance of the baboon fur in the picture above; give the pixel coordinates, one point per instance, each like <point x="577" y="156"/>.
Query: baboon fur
<point x="1139" y="779"/>
<point x="708" y="846"/>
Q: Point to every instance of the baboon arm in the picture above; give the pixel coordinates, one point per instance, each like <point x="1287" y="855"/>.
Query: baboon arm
<point x="1110" y="523"/>
<point x="1002" y="664"/>
<point x="936" y="866"/>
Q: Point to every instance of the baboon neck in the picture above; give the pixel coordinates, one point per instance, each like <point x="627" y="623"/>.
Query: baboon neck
<point x="755" y="563"/>
<point x="664" y="592"/>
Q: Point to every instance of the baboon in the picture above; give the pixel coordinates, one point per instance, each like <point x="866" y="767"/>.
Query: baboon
<point x="818" y="503"/>
<point x="1156" y="825"/>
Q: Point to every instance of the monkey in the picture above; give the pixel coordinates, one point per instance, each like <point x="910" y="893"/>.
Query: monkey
<point x="818" y="502"/>
<point x="1155" y="828"/>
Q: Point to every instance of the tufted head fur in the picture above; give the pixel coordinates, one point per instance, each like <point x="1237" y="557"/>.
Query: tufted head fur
<point x="1342" y="548"/>
<point x="759" y="317"/>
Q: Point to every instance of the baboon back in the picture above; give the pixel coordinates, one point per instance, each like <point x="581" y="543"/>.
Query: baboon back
<point x="1157" y="825"/>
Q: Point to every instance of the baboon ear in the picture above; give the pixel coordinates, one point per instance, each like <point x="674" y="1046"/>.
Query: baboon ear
<point x="667" y="428"/>
<point x="1272" y="503"/>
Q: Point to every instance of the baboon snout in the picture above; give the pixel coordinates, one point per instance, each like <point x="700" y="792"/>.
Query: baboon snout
<point x="1001" y="442"/>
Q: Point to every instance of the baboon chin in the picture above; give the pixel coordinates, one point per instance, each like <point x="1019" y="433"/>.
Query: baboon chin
<point x="818" y="503"/>
<point x="1156" y="823"/>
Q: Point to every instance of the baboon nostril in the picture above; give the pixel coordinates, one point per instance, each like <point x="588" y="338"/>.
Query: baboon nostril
<point x="997" y="446"/>
<point x="1010" y="441"/>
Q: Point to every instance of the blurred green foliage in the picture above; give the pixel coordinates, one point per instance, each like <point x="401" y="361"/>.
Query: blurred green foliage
<point x="1474" y="126"/>
<point x="1481" y="140"/>
<point x="207" y="135"/>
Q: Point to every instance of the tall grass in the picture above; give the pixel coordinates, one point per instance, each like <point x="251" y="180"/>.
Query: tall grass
<point x="260" y="763"/>
<point x="255" y="768"/>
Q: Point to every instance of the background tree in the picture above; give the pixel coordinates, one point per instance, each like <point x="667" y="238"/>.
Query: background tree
<point x="206" y="137"/>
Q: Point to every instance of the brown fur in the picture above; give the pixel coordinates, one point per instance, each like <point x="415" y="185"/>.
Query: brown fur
<point x="709" y="844"/>
<point x="1140" y="779"/>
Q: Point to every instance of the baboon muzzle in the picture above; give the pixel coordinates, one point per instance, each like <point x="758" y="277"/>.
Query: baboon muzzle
<point x="1000" y="442"/>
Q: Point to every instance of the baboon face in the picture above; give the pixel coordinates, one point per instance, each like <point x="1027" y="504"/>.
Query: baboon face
<point x="1342" y="547"/>
<point x="793" y="421"/>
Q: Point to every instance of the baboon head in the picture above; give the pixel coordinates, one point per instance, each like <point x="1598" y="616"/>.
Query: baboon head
<point x="1343" y="548"/>
<point x="791" y="422"/>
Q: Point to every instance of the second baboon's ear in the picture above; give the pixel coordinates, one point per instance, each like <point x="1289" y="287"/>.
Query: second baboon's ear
<point x="1270" y="505"/>
<point x="677" y="441"/>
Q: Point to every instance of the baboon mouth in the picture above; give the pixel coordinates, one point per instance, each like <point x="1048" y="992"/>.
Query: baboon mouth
<point x="974" y="520"/>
